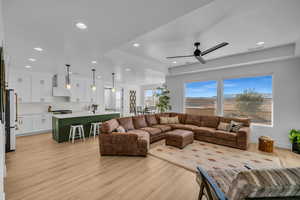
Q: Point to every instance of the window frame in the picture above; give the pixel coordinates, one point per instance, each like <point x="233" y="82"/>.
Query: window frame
<point x="220" y="93"/>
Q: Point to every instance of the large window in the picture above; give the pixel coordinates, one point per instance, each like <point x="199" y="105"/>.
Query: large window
<point x="149" y="97"/>
<point x="201" y="98"/>
<point x="241" y="97"/>
<point x="249" y="97"/>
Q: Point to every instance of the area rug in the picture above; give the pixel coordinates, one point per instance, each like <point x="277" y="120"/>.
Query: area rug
<point x="210" y="156"/>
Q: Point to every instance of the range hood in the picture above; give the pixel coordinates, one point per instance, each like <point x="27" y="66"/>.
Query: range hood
<point x="59" y="86"/>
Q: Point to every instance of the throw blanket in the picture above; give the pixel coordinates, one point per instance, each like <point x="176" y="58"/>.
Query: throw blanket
<point x="237" y="185"/>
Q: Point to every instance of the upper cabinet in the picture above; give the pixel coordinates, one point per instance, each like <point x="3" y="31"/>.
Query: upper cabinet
<point x="78" y="90"/>
<point x="34" y="87"/>
<point x="41" y="88"/>
<point x="22" y="85"/>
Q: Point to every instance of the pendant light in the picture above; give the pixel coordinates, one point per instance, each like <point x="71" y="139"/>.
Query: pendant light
<point x="94" y="80"/>
<point x="68" y="78"/>
<point x="113" y="89"/>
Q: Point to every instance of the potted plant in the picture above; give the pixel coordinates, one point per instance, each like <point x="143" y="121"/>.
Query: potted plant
<point x="294" y="137"/>
<point x="163" y="104"/>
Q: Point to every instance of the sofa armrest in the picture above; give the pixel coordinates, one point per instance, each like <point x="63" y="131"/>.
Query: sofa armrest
<point x="243" y="137"/>
<point x="118" y="138"/>
<point x="121" y="144"/>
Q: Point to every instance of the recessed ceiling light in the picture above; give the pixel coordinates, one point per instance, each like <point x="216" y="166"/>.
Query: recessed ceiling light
<point x="98" y="77"/>
<point x="174" y="62"/>
<point x="81" y="25"/>
<point x="32" y="59"/>
<point x="260" y="43"/>
<point x="136" y="44"/>
<point x="127" y="69"/>
<point x="28" y="66"/>
<point x="38" y="48"/>
<point x="94" y="62"/>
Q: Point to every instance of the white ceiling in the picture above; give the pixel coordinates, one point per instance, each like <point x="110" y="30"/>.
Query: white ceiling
<point x="242" y="23"/>
<point x="111" y="23"/>
<point x="162" y="27"/>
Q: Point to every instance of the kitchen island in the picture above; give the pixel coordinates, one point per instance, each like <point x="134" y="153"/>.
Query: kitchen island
<point x="61" y="123"/>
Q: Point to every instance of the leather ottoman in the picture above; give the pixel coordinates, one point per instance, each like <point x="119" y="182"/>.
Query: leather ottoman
<point x="179" y="138"/>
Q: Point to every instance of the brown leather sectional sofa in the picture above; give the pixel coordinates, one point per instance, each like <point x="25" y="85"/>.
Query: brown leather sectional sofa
<point x="145" y="129"/>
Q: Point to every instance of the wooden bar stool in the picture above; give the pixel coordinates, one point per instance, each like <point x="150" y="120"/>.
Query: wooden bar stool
<point x="95" y="128"/>
<point x="73" y="132"/>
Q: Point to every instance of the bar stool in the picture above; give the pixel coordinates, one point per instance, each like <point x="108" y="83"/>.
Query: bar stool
<point x="95" y="128"/>
<point x="73" y="129"/>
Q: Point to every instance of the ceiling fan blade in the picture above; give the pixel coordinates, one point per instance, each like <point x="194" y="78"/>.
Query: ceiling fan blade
<point x="180" y="56"/>
<point x="200" y="59"/>
<point x="214" y="48"/>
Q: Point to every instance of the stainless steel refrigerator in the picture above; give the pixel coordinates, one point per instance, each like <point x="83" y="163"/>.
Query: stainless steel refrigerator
<point x="10" y="120"/>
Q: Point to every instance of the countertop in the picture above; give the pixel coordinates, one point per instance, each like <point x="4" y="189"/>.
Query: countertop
<point x="82" y="114"/>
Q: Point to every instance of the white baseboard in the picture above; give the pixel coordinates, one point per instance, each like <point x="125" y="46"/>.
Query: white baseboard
<point x="35" y="132"/>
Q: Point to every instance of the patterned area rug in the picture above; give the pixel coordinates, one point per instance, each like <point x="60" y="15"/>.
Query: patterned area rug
<point x="210" y="156"/>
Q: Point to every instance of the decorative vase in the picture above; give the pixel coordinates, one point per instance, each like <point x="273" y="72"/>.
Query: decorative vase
<point x="296" y="146"/>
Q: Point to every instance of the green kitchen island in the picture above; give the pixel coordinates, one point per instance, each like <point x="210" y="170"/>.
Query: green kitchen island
<point x="61" y="123"/>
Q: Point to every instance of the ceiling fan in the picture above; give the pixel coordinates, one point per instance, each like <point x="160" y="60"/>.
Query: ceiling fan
<point x="198" y="53"/>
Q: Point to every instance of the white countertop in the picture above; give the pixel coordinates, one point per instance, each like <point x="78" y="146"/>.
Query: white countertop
<point x="82" y="114"/>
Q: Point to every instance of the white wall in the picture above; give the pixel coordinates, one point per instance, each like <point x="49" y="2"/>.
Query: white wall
<point x="286" y="93"/>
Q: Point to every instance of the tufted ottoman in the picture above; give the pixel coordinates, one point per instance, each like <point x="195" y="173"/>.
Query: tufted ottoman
<point x="179" y="138"/>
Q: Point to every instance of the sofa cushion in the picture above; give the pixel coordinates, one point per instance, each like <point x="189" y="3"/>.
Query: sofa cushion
<point x="126" y="122"/>
<point x="139" y="122"/>
<point x="120" y="129"/>
<point x="161" y="115"/>
<point x="224" y="126"/>
<point x="137" y="132"/>
<point x="151" y="120"/>
<point x="151" y="130"/>
<point x="109" y="126"/>
<point x="169" y="120"/>
<point x="193" y="119"/>
<point x="181" y="117"/>
<point x="205" y="131"/>
<point x="246" y="121"/>
<point x="162" y="127"/>
<point x="184" y="126"/>
<point x="225" y="135"/>
<point x="210" y="121"/>
<point x="164" y="120"/>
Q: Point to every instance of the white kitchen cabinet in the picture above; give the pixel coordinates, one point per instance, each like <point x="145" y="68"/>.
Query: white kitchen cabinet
<point x="42" y="122"/>
<point x="22" y="85"/>
<point x="41" y="88"/>
<point x="34" y="123"/>
<point x="25" y="124"/>
<point x="78" y="90"/>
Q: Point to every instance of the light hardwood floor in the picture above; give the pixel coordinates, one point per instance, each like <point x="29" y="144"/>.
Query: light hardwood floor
<point x="43" y="169"/>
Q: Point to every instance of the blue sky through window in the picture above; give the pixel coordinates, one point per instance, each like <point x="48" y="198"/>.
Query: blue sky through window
<point x="201" y="89"/>
<point x="261" y="84"/>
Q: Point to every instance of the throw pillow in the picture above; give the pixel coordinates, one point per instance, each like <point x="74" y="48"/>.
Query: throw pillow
<point x="224" y="126"/>
<point x="235" y="126"/>
<point x="121" y="129"/>
<point x="173" y="120"/>
<point x="164" y="120"/>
